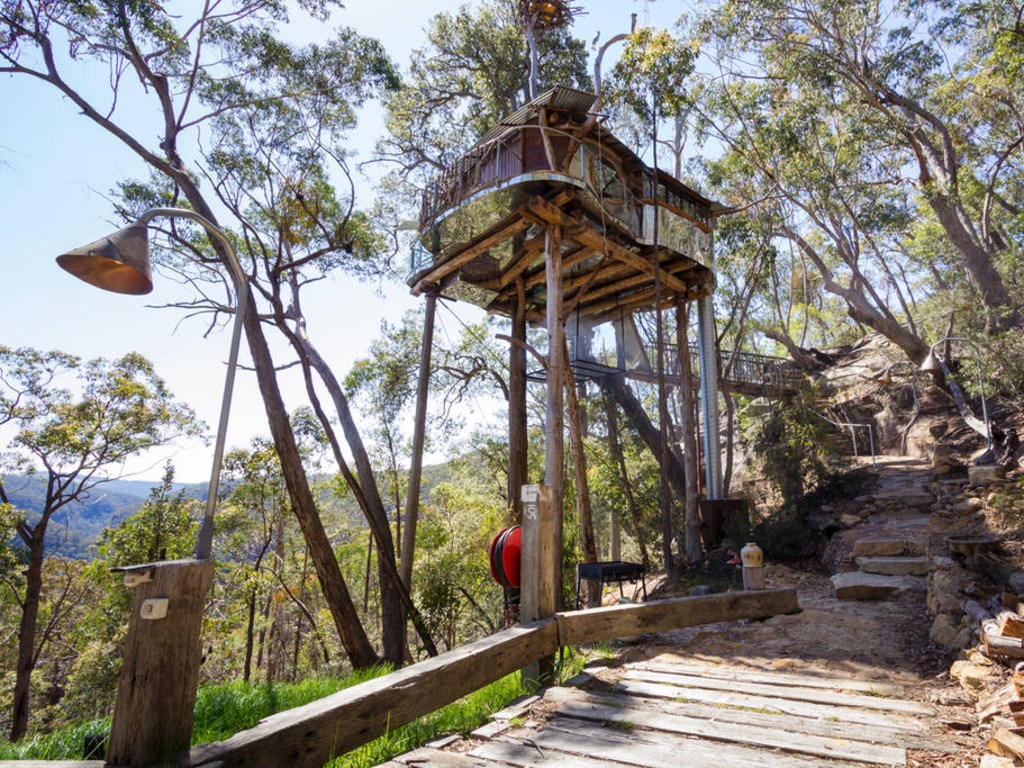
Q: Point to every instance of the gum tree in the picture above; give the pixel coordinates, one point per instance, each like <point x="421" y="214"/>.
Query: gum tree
<point x="220" y="85"/>
<point x="73" y="436"/>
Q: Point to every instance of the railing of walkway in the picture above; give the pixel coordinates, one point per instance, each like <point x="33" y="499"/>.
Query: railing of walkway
<point x="745" y="368"/>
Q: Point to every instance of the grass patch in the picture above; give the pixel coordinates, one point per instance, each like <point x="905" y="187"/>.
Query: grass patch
<point x="223" y="710"/>
<point x="618" y="725"/>
<point x="63" y="744"/>
<point x="460" y="716"/>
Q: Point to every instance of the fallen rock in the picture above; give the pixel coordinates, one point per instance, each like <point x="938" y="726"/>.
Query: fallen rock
<point x="985" y="474"/>
<point x="945" y="631"/>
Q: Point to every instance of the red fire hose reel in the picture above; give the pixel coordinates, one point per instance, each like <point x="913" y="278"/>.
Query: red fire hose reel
<point x="505" y="553"/>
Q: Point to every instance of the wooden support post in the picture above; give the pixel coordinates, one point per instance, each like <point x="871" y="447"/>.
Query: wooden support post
<point x="539" y="561"/>
<point x="554" y="443"/>
<point x="412" y="501"/>
<point x="156" y="692"/>
<point x="517" y="434"/>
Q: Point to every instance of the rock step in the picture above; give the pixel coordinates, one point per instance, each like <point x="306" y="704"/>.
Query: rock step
<point x="893" y="544"/>
<point x="894" y="566"/>
<point x="855" y="585"/>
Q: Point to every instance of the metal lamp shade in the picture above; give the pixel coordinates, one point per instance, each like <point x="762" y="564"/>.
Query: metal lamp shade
<point x="930" y="364"/>
<point x="118" y="263"/>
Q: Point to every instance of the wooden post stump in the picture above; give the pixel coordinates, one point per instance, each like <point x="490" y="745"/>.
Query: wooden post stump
<point x="156" y="692"/>
<point x="539" y="561"/>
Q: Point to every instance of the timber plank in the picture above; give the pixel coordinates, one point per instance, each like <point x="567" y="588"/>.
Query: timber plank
<point x="832" y="683"/>
<point x="910" y="737"/>
<point x="437" y="758"/>
<point x="581" y="627"/>
<point x="738" y="733"/>
<point x="566" y="742"/>
<point x="769" y="704"/>
<point x="314" y="733"/>
<point x="791" y="692"/>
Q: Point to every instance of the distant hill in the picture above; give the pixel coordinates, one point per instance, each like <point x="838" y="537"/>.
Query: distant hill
<point x="74" y="529"/>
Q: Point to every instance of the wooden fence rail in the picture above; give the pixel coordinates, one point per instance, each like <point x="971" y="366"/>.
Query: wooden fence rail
<point x="310" y="735"/>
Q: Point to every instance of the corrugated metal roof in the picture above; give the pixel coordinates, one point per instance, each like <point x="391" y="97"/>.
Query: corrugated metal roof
<point x="559" y="97"/>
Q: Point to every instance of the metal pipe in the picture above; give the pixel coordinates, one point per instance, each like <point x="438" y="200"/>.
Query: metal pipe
<point x="204" y="544"/>
<point x="709" y="396"/>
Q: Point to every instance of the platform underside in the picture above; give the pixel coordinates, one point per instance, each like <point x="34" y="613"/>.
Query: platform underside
<point x="491" y="251"/>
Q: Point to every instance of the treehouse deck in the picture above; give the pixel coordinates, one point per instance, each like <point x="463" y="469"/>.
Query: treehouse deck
<point x="629" y="236"/>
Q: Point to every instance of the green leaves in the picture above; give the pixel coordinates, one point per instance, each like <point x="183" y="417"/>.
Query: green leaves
<point x="114" y="410"/>
<point x="653" y="68"/>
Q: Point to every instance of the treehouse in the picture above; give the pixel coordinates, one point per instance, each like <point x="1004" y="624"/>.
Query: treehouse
<point x="485" y="223"/>
<point x="551" y="220"/>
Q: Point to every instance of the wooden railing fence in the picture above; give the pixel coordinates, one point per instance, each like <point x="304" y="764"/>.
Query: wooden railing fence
<point x="310" y="735"/>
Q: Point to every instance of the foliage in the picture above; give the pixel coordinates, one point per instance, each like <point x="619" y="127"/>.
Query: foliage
<point x="461" y="716"/>
<point x="223" y="710"/>
<point x="73" y="423"/>
<point x="651" y="73"/>
<point x="794" y="453"/>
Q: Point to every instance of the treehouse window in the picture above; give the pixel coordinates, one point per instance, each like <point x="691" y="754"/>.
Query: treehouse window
<point x="607" y="181"/>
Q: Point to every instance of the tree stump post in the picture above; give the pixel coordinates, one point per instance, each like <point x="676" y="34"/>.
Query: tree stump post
<point x="156" y="692"/>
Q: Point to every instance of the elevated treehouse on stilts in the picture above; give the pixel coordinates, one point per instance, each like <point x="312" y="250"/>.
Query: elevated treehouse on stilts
<point x="551" y="220"/>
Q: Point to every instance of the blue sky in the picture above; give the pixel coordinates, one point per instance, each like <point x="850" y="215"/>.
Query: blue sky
<point x="56" y="169"/>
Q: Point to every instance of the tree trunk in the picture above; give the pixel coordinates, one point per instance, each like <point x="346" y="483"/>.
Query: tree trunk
<point x="396" y="602"/>
<point x="554" y="446"/>
<point x="412" y="503"/>
<point x="650" y="434"/>
<point x="343" y="611"/>
<point x="688" y="428"/>
<point x="588" y="542"/>
<point x="517" y="434"/>
<point x="615" y="445"/>
<point x="27" y="629"/>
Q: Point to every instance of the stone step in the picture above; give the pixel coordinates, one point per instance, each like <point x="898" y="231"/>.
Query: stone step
<point x="894" y="566"/>
<point x="855" y="585"/>
<point x="894" y="541"/>
<point x="880" y="546"/>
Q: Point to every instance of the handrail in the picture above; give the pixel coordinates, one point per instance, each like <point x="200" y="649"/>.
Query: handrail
<point x="309" y="735"/>
<point x="853" y="435"/>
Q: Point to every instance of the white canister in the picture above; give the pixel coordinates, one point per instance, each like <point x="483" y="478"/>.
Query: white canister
<point x="751" y="555"/>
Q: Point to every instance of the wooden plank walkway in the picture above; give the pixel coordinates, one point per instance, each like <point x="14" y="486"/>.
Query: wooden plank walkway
<point x="663" y="714"/>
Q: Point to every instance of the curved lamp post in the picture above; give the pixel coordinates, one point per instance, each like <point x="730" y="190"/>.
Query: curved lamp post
<point x="932" y="364"/>
<point x="120" y="263"/>
<point x="159" y="678"/>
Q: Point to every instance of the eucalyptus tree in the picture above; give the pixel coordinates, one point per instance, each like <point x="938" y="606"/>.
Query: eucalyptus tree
<point x="473" y="71"/>
<point x="871" y="87"/>
<point x="74" y="426"/>
<point x="209" y="80"/>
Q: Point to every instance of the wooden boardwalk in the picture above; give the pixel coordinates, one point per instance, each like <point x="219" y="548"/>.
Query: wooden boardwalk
<point x="665" y="714"/>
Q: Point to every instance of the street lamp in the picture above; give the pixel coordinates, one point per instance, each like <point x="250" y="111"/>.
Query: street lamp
<point x="120" y="263"/>
<point x="159" y="678"/>
<point x="933" y="364"/>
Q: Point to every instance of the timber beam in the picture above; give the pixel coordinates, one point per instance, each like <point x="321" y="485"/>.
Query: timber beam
<point x="310" y="735"/>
